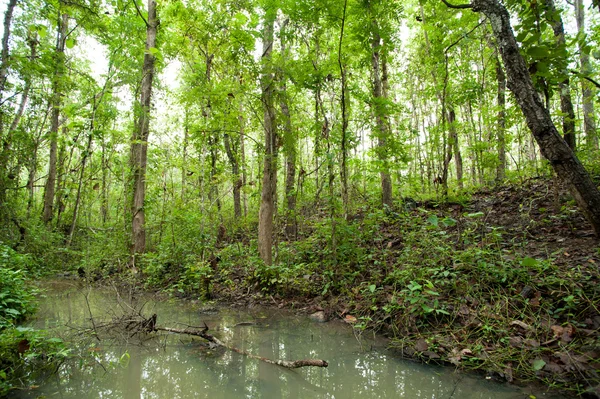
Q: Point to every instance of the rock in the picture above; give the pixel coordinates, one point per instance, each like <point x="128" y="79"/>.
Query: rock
<point x="319" y="317"/>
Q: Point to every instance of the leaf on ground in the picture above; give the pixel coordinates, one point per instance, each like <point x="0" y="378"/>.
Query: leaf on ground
<point x="538" y="364"/>
<point x="519" y="323"/>
<point x="421" y="345"/>
<point x="350" y="319"/>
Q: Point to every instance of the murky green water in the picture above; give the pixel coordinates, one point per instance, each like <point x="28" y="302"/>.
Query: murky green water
<point x="177" y="366"/>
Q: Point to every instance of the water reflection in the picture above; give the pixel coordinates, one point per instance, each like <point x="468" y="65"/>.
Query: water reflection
<point x="171" y="366"/>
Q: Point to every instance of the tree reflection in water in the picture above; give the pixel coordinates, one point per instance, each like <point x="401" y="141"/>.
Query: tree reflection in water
<point x="176" y="367"/>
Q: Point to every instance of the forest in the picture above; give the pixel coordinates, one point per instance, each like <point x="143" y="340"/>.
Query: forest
<point x="424" y="169"/>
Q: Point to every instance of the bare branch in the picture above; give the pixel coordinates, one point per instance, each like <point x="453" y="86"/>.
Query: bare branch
<point x="459" y="6"/>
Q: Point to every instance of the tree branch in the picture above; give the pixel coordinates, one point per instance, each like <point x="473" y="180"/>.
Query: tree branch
<point x="459" y="6"/>
<point x="140" y="13"/>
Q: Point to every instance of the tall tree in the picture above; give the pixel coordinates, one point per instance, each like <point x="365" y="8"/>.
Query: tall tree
<point x="566" y="104"/>
<point x="379" y="107"/>
<point x="57" y="86"/>
<point x="587" y="89"/>
<point x="269" y="178"/>
<point x="139" y="140"/>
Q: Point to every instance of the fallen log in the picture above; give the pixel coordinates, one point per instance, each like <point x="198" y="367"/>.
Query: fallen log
<point x="288" y="364"/>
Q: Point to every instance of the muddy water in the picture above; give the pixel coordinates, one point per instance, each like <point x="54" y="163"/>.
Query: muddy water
<point x="176" y="366"/>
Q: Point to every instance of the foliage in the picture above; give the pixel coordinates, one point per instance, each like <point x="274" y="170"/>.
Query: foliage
<point x="27" y="354"/>
<point x="16" y="298"/>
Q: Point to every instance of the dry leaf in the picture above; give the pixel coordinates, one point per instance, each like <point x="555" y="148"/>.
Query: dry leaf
<point x="524" y="326"/>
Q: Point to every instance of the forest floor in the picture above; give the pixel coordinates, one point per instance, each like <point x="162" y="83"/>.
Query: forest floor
<point x="506" y="283"/>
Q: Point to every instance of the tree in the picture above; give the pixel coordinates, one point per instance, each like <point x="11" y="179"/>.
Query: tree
<point x="587" y="89"/>
<point x="139" y="140"/>
<point x="57" y="85"/>
<point x="558" y="153"/>
<point x="269" y="179"/>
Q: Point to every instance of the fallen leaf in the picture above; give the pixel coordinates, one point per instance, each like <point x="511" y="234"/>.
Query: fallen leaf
<point x="350" y="319"/>
<point x="515" y="342"/>
<point x="431" y="355"/>
<point x="519" y="323"/>
<point x="538" y="364"/>
<point x="557" y="330"/>
<point x="421" y="345"/>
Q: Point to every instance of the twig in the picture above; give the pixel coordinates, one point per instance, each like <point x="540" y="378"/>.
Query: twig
<point x="283" y="363"/>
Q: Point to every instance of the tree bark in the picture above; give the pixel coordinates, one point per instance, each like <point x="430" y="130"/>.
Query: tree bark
<point x="380" y="116"/>
<point x="235" y="172"/>
<point x="587" y="89"/>
<point x="561" y="157"/>
<point x="566" y="104"/>
<point x="4" y="64"/>
<point x="56" y="100"/>
<point x="269" y="179"/>
<point x="345" y="119"/>
<point x="500" y="136"/>
<point x="139" y="142"/>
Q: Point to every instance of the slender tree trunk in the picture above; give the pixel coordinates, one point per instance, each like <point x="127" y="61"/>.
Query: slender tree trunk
<point x="243" y="158"/>
<point x="561" y="157"/>
<point x="566" y="104"/>
<point x="84" y="158"/>
<point x="4" y="64"/>
<point x="139" y="142"/>
<point x="184" y="171"/>
<point x="269" y="180"/>
<point x="458" y="161"/>
<point x="380" y="116"/>
<point x="235" y="172"/>
<point x="345" y="119"/>
<point x="104" y="188"/>
<point x="56" y="100"/>
<point x="501" y="138"/>
<point x="587" y="89"/>
<point x="290" y="176"/>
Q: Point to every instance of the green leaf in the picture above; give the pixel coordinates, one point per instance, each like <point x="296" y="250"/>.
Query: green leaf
<point x="449" y="222"/>
<point x="154" y="51"/>
<point x="538" y="364"/>
<point x="426" y="308"/>
<point x="70" y="43"/>
<point x="433" y="219"/>
<point x="537" y="52"/>
<point x="529" y="262"/>
<point x="42" y="31"/>
<point x="372" y="288"/>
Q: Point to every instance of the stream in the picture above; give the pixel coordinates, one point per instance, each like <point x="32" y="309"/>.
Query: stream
<point x="177" y="366"/>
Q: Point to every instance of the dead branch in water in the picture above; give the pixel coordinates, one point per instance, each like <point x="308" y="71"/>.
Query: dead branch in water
<point x="150" y="325"/>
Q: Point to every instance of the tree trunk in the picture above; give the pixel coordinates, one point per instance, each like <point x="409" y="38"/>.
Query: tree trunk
<point x="345" y="119"/>
<point x="587" y="89"/>
<point x="56" y="100"/>
<point x="4" y="64"/>
<point x="561" y="157"/>
<point x="380" y="117"/>
<point x="566" y="104"/>
<point x="235" y="172"/>
<point x="458" y="161"/>
<point x="139" y="142"/>
<point x="501" y="166"/>
<point x="269" y="180"/>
